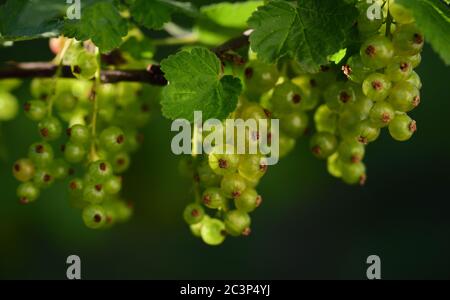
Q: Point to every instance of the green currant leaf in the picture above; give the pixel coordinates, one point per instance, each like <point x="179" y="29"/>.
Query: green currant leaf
<point x="25" y="19"/>
<point x="433" y="18"/>
<point x="234" y="15"/>
<point x="196" y="83"/>
<point x="154" y="13"/>
<point x="309" y="31"/>
<point x="101" y="22"/>
<point x="223" y="21"/>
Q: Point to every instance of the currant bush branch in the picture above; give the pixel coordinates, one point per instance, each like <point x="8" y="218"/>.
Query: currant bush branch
<point x="152" y="75"/>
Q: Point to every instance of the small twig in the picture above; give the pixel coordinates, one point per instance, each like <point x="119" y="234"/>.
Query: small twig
<point x="153" y="75"/>
<point x="232" y="44"/>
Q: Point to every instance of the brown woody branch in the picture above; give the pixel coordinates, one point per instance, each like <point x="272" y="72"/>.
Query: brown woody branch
<point x="152" y="75"/>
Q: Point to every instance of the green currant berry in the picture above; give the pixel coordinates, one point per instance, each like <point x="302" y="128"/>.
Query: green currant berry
<point x="400" y="69"/>
<point x="355" y="69"/>
<point x="362" y="106"/>
<point x="382" y="114"/>
<point x="402" y="127"/>
<point x="248" y="201"/>
<point x="367" y="133"/>
<point x="23" y="170"/>
<point x="43" y="178"/>
<point x="120" y="162"/>
<point x="65" y="103"/>
<point x="334" y="165"/>
<point x="59" y="168"/>
<point x="325" y="119"/>
<point x="354" y="173"/>
<point x="349" y="121"/>
<point x="310" y="90"/>
<point x="415" y="60"/>
<point x="376" y="86"/>
<point x="41" y="154"/>
<point x="85" y="66"/>
<point x="41" y="88"/>
<point x="74" y="153"/>
<point x="252" y="111"/>
<point x="9" y="106"/>
<point x="50" y="128"/>
<point x="400" y="14"/>
<point x="252" y="166"/>
<point x="100" y="170"/>
<point x="94" y="193"/>
<point x="122" y="210"/>
<point x="294" y="124"/>
<point x="206" y="175"/>
<point x="323" y="144"/>
<point x="259" y="77"/>
<point x="414" y="79"/>
<point x="112" y="139"/>
<point x="338" y="95"/>
<point x="223" y="164"/>
<point x="76" y="187"/>
<point x="286" y="97"/>
<point x="351" y="151"/>
<point x="237" y="222"/>
<point x="213" y="198"/>
<point x="113" y="185"/>
<point x="213" y="232"/>
<point x="193" y="213"/>
<point x="377" y="52"/>
<point x="35" y="110"/>
<point x="408" y="40"/>
<point x="94" y="216"/>
<point x="233" y="185"/>
<point x="404" y="96"/>
<point x="79" y="134"/>
<point x="27" y="192"/>
<point x="286" y="144"/>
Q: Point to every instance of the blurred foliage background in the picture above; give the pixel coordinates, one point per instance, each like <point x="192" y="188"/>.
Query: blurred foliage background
<point x="310" y="226"/>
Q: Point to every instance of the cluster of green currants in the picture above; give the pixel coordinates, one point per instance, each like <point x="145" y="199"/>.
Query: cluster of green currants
<point x="101" y="133"/>
<point x="378" y="90"/>
<point x="225" y="184"/>
<point x="382" y="88"/>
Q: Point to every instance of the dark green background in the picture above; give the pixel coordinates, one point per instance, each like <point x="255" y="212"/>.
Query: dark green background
<point x="309" y="226"/>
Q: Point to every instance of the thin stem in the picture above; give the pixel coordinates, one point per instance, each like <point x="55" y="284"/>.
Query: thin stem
<point x="198" y="197"/>
<point x="173" y="41"/>
<point x="93" y="156"/>
<point x="59" y="58"/>
<point x="3" y="150"/>
<point x="58" y="73"/>
<point x="175" y="30"/>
